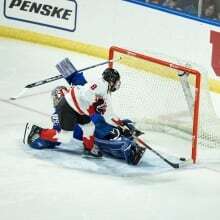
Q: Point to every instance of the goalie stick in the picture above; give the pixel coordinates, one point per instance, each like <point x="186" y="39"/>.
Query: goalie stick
<point x="51" y="79"/>
<point x="183" y="160"/>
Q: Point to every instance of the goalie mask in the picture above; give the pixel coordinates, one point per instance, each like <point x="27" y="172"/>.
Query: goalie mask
<point x="113" y="78"/>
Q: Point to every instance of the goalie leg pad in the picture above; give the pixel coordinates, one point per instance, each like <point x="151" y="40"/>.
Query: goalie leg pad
<point x="136" y="154"/>
<point x="123" y="148"/>
<point x="132" y="153"/>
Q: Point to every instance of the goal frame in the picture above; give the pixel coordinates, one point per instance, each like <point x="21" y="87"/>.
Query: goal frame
<point x="197" y="74"/>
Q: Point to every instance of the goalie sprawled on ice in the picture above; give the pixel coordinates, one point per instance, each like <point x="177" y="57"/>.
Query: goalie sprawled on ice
<point x="79" y="113"/>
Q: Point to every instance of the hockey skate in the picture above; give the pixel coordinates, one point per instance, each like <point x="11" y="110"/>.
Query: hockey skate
<point x="31" y="133"/>
<point x="93" y="153"/>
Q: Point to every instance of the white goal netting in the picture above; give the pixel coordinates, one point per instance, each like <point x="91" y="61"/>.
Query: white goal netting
<point x="163" y="103"/>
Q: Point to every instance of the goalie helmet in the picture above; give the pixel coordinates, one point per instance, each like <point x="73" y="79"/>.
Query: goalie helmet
<point x="113" y="78"/>
<point x="57" y="94"/>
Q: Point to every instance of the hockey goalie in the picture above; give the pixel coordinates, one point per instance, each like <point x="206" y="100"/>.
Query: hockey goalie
<point x="80" y="113"/>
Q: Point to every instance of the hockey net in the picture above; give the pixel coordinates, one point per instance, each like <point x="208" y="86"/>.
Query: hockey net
<point x="169" y="102"/>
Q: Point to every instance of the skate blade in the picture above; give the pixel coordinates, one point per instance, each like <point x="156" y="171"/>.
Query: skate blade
<point x="27" y="128"/>
<point x="91" y="157"/>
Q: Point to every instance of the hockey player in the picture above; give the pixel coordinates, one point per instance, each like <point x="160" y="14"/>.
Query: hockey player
<point x="76" y="107"/>
<point x="78" y="104"/>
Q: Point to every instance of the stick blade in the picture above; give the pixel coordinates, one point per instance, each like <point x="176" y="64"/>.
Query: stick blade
<point x="19" y="94"/>
<point x="186" y="163"/>
<point x="12" y="98"/>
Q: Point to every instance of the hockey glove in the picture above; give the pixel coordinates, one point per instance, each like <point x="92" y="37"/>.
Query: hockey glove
<point x="114" y="134"/>
<point x="118" y="132"/>
<point x="100" y="105"/>
<point x="130" y="126"/>
<point x="124" y="132"/>
<point x="70" y="73"/>
<point x="66" y="68"/>
<point x="128" y="123"/>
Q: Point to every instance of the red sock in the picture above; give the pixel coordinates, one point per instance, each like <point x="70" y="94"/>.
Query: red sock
<point x="49" y="135"/>
<point x="88" y="142"/>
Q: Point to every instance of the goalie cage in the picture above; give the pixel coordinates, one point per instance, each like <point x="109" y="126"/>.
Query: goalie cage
<point x="166" y="100"/>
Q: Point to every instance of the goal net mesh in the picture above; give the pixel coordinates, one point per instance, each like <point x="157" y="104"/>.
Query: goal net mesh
<point x="163" y="104"/>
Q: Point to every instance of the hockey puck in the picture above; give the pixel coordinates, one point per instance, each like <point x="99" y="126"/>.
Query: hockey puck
<point x="182" y="158"/>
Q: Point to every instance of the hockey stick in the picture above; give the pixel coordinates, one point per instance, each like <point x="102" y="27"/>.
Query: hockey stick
<point x="51" y="79"/>
<point x="172" y="164"/>
<point x="146" y="146"/>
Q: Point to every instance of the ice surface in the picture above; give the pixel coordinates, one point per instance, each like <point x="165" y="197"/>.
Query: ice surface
<point x="62" y="185"/>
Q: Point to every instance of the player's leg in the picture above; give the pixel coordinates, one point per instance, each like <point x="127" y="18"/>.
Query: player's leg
<point x="88" y="138"/>
<point x="40" y="138"/>
<point x="32" y="137"/>
<point x="66" y="120"/>
<point x="62" y="130"/>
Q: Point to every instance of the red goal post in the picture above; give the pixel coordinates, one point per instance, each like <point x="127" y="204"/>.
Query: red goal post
<point x="178" y="68"/>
